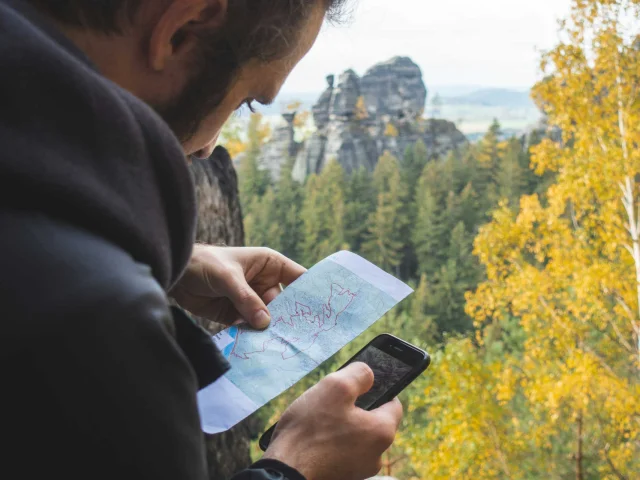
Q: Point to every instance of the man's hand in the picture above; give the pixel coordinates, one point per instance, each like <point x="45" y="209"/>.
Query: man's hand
<point x="325" y="436"/>
<point x="228" y="285"/>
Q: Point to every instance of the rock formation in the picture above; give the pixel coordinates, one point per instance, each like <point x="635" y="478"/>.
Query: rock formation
<point x="357" y="119"/>
<point x="321" y="109"/>
<point x="281" y="146"/>
<point x="345" y="96"/>
<point x="220" y="222"/>
<point x="394" y="88"/>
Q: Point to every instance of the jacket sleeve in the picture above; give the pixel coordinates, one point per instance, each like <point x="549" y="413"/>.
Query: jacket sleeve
<point x="206" y="360"/>
<point x="93" y="378"/>
<point x="269" y="470"/>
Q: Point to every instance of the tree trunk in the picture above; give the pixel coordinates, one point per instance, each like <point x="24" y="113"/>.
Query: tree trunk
<point x="220" y="222"/>
<point x="579" y="456"/>
<point x="219" y="211"/>
<point x="633" y="227"/>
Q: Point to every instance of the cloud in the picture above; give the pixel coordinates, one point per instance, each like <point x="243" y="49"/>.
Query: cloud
<point x="480" y="42"/>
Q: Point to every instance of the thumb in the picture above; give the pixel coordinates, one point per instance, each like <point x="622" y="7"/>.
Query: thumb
<point x="248" y="304"/>
<point x="353" y="380"/>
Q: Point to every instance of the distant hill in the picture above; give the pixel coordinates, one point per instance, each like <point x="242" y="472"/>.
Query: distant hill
<point x="472" y="108"/>
<point x="306" y="99"/>
<point x="453" y="90"/>
<point x="451" y="95"/>
<point x="507" y="133"/>
<point x="493" y="97"/>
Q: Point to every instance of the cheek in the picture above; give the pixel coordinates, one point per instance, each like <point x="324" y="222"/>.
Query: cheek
<point x="210" y="127"/>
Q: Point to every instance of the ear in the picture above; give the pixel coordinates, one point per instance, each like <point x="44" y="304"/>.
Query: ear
<point x="174" y="35"/>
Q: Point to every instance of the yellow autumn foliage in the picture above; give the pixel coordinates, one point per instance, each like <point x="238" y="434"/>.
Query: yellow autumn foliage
<point x="233" y="139"/>
<point x="390" y="130"/>
<point x="360" y="112"/>
<point x="550" y="385"/>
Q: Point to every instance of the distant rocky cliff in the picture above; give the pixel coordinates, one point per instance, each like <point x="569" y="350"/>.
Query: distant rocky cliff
<point x="358" y="119"/>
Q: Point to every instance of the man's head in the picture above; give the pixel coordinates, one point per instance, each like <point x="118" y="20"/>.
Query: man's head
<point x="194" y="61"/>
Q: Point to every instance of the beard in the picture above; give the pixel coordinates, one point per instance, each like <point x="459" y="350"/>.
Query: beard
<point x="203" y="93"/>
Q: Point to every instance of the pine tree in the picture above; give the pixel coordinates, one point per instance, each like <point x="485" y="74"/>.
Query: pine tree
<point x="360" y="202"/>
<point x="253" y="181"/>
<point x="323" y="214"/>
<point x="427" y="231"/>
<point x="488" y="154"/>
<point x="288" y="218"/>
<point x="510" y="179"/>
<point x="490" y="150"/>
<point x="260" y="216"/>
<point x="422" y="323"/>
<point x="464" y="167"/>
<point x="413" y="163"/>
<point x="469" y="209"/>
<point x="460" y="250"/>
<point x="385" y="226"/>
<point x="452" y="281"/>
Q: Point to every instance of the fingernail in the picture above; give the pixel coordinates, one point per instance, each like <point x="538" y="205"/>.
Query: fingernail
<point x="261" y="319"/>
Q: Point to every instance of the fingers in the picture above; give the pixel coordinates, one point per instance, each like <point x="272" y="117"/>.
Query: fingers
<point x="350" y="382"/>
<point x="291" y="271"/>
<point x="248" y="303"/>
<point x="390" y="413"/>
<point x="271" y="294"/>
<point x="384" y="422"/>
<point x="248" y="277"/>
<point x="274" y="266"/>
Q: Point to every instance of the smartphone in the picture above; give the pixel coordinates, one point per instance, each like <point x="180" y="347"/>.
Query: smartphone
<point x="395" y="364"/>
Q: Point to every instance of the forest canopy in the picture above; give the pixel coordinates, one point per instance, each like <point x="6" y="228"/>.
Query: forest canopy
<point x="525" y="256"/>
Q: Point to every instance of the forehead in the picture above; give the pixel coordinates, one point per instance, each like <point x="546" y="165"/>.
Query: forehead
<point x="266" y="79"/>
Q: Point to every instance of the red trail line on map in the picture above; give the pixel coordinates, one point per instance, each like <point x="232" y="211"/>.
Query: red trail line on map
<point x="303" y="311"/>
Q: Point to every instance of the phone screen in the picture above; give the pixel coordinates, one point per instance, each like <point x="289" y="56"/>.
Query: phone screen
<point x="395" y="364"/>
<point x="388" y="371"/>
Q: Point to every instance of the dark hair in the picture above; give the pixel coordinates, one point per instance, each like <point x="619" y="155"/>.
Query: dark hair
<point x="110" y="16"/>
<point x="262" y="30"/>
<point x="107" y="16"/>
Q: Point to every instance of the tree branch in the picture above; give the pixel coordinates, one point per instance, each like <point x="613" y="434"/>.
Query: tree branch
<point x="611" y="464"/>
<point x="630" y="314"/>
<point x="581" y="344"/>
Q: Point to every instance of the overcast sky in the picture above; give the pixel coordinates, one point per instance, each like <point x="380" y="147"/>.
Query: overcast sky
<point x="455" y="42"/>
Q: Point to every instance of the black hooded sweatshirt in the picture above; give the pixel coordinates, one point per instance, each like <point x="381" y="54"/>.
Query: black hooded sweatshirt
<point x="98" y="374"/>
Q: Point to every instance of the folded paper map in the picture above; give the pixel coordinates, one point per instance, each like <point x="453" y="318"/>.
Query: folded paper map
<point x="317" y="315"/>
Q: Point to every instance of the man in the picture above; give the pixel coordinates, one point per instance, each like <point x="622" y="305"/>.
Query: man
<point x="99" y="102"/>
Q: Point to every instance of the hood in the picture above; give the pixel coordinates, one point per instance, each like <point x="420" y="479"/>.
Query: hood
<point x="75" y="146"/>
